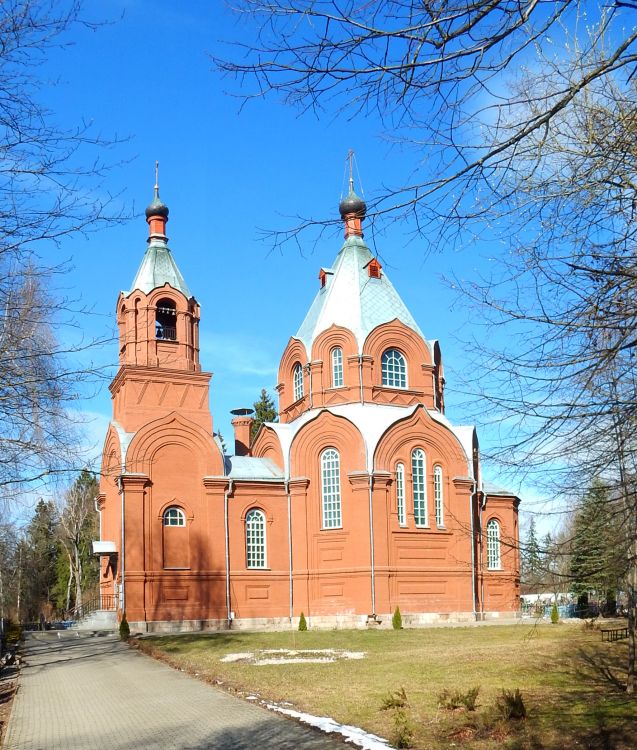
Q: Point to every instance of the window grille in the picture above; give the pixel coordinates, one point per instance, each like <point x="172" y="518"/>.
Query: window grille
<point x="174" y="517"/>
<point x="419" y="487"/>
<point x="255" y="539"/>
<point x="438" y="501"/>
<point x="394" y="369"/>
<point x="493" y="545"/>
<point x="337" y="367"/>
<point x="331" y="489"/>
<point x="298" y="381"/>
<point x="400" y="494"/>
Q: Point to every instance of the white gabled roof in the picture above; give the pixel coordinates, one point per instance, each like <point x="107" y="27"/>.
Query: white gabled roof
<point x="249" y="467"/>
<point x="372" y="420"/>
<point x="353" y="300"/>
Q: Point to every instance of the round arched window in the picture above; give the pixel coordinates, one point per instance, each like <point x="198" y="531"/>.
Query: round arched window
<point x="174" y="516"/>
<point x="166" y="320"/>
<point x="394" y="369"/>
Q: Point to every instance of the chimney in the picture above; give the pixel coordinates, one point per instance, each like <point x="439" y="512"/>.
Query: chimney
<point x="242" y="424"/>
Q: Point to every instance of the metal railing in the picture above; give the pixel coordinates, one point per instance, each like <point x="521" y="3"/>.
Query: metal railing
<point x="166" y="333"/>
<point x="100" y="602"/>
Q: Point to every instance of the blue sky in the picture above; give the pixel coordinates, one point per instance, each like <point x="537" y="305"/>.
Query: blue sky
<point x="226" y="172"/>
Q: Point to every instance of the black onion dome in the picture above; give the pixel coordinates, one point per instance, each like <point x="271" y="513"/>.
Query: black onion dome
<point x="157" y="208"/>
<point x="352" y="204"/>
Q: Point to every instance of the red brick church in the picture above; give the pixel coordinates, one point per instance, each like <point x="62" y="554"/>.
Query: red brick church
<point x="363" y="497"/>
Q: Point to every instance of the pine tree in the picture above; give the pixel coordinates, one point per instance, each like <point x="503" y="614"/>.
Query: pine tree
<point x="264" y="411"/>
<point x="598" y="558"/>
<point x="39" y="561"/>
<point x="531" y="559"/>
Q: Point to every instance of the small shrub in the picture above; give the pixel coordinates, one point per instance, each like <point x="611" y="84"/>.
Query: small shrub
<point x="403" y="729"/>
<point x="302" y="623"/>
<point x="397" y="699"/>
<point x="555" y="615"/>
<point x="510" y="705"/>
<point x="457" y="699"/>
<point x="124" y="629"/>
<point x="397" y="620"/>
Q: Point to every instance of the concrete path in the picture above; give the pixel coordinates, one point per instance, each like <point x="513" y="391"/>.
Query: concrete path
<point x="95" y="693"/>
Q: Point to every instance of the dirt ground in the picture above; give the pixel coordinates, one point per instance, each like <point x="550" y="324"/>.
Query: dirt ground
<point x="8" y="684"/>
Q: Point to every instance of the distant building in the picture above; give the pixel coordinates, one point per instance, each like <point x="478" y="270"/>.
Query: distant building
<point x="361" y="499"/>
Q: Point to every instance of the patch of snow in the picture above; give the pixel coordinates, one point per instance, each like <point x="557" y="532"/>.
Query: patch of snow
<point x="296" y="660"/>
<point x="354" y="735"/>
<point x="252" y="697"/>
<point x="353" y="655"/>
<point x="237" y="657"/>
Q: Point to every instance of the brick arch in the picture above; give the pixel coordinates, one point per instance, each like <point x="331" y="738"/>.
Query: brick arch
<point x="294" y="352"/>
<point x="168" y="292"/>
<point x="173" y="429"/>
<point x="396" y="335"/>
<point x="326" y="431"/>
<point x="333" y="336"/>
<point x="419" y="430"/>
<point x="267" y="445"/>
<point x="111" y="454"/>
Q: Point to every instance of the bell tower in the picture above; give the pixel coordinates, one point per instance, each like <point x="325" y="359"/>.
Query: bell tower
<point x="158" y="323"/>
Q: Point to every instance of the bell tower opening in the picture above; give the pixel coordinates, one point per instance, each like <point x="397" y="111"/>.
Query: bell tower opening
<point x="166" y="320"/>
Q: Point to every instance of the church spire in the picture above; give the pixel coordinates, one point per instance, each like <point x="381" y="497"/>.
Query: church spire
<point x="157" y="212"/>
<point x="352" y="208"/>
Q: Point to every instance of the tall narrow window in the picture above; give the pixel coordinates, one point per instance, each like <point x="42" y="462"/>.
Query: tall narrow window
<point x="419" y="487"/>
<point x="393" y="369"/>
<point x="298" y="381"/>
<point x="255" y="539"/>
<point x="331" y="489"/>
<point x="493" y="545"/>
<point x="337" y="367"/>
<point x="400" y="494"/>
<point x="438" y="502"/>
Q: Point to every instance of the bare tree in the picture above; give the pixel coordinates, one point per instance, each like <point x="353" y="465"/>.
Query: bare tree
<point x="523" y="121"/>
<point x="49" y="177"/>
<point x="437" y="75"/>
<point x="77" y="528"/>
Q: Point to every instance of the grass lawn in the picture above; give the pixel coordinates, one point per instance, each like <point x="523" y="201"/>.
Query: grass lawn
<point x="570" y="681"/>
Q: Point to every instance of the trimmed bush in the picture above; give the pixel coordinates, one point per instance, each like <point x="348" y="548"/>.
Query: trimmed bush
<point x="397" y="620"/>
<point x="124" y="628"/>
<point x="555" y="615"/>
<point x="302" y="622"/>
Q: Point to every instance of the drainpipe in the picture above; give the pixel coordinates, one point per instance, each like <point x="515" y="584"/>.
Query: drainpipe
<point x="474" y="580"/>
<point x="227" y="534"/>
<point x="371" y="544"/>
<point x="122" y="591"/>
<point x="287" y="492"/>
<point x="482" y="505"/>
<point x="99" y="512"/>
<point x="360" y="377"/>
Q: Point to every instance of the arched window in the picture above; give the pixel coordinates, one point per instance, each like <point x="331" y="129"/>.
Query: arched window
<point x="337" y="367"/>
<point x="493" y="545"/>
<point x="419" y="487"/>
<point x="331" y="489"/>
<point x="174" y="516"/>
<point x="166" y="320"/>
<point x="255" y="539"/>
<point x="298" y="381"/>
<point x="438" y="501"/>
<point x="394" y="369"/>
<point x="400" y="494"/>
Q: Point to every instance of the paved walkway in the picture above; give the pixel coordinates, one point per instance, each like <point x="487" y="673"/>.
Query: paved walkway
<point x="95" y="693"/>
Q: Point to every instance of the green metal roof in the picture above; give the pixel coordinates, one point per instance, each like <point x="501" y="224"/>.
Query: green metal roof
<point x="157" y="268"/>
